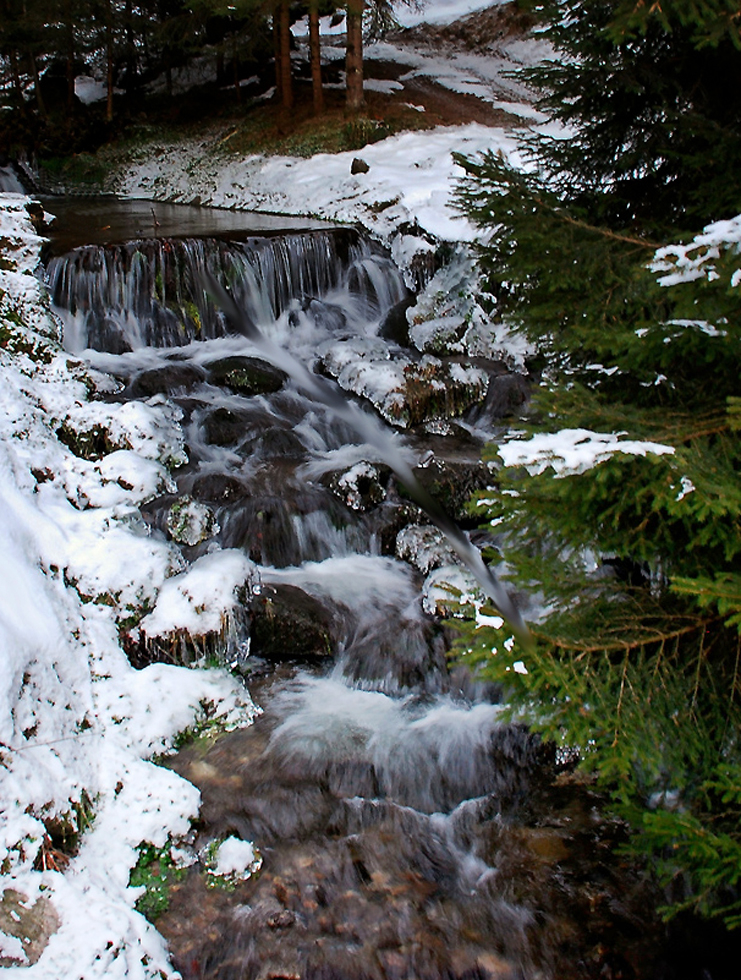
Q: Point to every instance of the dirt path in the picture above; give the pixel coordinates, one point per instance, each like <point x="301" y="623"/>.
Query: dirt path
<point x="448" y="108"/>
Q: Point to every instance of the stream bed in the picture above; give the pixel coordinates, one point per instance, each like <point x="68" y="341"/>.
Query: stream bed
<point x="405" y="830"/>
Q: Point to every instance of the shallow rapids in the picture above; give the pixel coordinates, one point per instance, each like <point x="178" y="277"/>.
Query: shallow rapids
<point x="406" y="830"/>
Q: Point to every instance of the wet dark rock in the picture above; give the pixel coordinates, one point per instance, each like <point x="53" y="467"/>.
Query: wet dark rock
<point x="398" y="656"/>
<point x="325" y="315"/>
<point x="217" y="488"/>
<point x="273" y="441"/>
<point x="507" y="395"/>
<point x="395" y="326"/>
<point x="289" y="624"/>
<point x="453" y="484"/>
<point x="246" y="375"/>
<point x="359" y="166"/>
<point x="281" y="522"/>
<point x="224" y="427"/>
<point x="167" y="379"/>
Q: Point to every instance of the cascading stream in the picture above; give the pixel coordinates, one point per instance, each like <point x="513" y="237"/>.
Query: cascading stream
<point x="149" y="293"/>
<point x="384" y="793"/>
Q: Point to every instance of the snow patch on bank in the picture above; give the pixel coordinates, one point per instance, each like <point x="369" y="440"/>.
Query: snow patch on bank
<point x="78" y="725"/>
<point x="410" y="181"/>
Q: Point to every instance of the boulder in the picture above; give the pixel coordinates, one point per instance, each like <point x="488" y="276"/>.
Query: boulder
<point x="246" y="375"/>
<point x="288" y="624"/>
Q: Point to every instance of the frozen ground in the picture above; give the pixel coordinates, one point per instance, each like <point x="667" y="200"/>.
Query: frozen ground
<point x="78" y="725"/>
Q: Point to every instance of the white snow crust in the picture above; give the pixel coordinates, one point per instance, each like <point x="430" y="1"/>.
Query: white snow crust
<point x="572" y="451"/>
<point x="77" y="722"/>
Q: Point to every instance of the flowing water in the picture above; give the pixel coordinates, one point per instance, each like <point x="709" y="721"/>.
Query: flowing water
<point x="406" y="831"/>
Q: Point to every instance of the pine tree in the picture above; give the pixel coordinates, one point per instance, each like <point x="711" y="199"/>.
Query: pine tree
<point x="653" y="94"/>
<point x="618" y="500"/>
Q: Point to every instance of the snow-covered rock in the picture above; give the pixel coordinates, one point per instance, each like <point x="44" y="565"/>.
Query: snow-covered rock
<point x="78" y="725"/>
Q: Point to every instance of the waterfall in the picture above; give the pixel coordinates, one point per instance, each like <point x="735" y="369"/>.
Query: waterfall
<point x="148" y="293"/>
<point x="407" y="829"/>
<point x="9" y="182"/>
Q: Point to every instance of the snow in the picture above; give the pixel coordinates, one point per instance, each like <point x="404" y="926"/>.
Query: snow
<point x="438" y="11"/>
<point x="697" y="259"/>
<point x="410" y="180"/>
<point x="235" y="859"/>
<point x="77" y="722"/>
<point x="199" y="600"/>
<point x="573" y="451"/>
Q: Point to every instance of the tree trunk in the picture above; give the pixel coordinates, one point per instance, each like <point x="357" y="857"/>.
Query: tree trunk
<point x="315" y="50"/>
<point x="235" y="69"/>
<point x="286" y="86"/>
<point x="37" y="87"/>
<point x="276" y="55"/>
<point x="17" y="83"/>
<point x="132" y="81"/>
<point x="109" y="62"/>
<point x="354" y="55"/>
<point x="70" y="60"/>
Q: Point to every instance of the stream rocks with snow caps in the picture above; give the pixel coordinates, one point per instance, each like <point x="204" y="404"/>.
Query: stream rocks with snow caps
<point x="395" y="814"/>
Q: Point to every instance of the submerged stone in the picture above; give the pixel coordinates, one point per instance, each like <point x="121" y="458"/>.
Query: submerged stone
<point x="246" y="375"/>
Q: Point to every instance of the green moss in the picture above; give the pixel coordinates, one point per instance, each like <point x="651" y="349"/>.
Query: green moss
<point x="156" y="872"/>
<point x="93" y="443"/>
<point x="16" y="338"/>
<point x="193" y="314"/>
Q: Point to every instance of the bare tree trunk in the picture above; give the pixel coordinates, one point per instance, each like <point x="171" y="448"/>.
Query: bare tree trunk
<point x="109" y="62"/>
<point x="37" y="87"/>
<point x="354" y="55"/>
<point x="286" y="86"/>
<point x="70" y="60"/>
<point x="132" y="70"/>
<point x="276" y="55"/>
<point x="17" y="83"/>
<point x="235" y="69"/>
<point x="315" y="49"/>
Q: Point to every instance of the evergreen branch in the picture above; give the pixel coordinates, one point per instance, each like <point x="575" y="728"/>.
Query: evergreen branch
<point x="606" y="646"/>
<point x="615" y="236"/>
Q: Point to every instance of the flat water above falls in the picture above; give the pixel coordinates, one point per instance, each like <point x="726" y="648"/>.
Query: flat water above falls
<point x="406" y="832"/>
<point x="102" y="221"/>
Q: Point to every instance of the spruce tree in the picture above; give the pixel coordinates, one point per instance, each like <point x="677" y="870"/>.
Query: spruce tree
<point x="617" y="502"/>
<point x="652" y="94"/>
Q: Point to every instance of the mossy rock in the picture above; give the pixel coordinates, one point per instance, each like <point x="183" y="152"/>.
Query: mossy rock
<point x="93" y="443"/>
<point x="246" y="375"/>
<point x="156" y="871"/>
